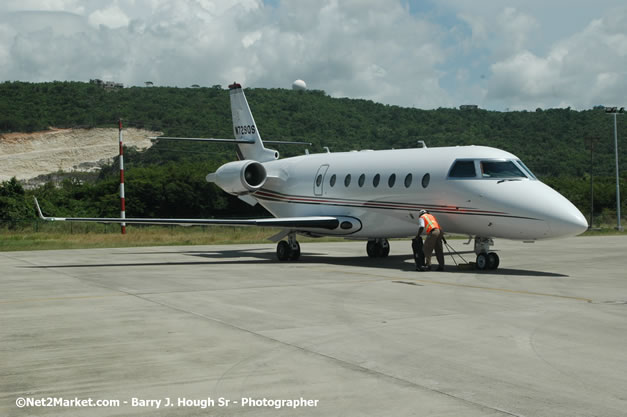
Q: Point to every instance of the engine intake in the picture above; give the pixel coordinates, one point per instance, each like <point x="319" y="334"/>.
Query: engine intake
<point x="239" y="177"/>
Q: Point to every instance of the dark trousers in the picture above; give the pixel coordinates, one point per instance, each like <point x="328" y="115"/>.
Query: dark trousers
<point x="416" y="247"/>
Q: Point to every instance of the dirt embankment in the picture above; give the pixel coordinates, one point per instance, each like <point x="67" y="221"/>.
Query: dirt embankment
<point x="28" y="155"/>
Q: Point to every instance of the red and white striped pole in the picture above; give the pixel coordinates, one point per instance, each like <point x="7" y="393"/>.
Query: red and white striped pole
<point x="122" y="205"/>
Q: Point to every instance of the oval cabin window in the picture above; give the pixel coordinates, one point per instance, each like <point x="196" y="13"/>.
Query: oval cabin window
<point x="408" y="180"/>
<point x="375" y="180"/>
<point x="425" y="180"/>
<point x="392" y="180"/>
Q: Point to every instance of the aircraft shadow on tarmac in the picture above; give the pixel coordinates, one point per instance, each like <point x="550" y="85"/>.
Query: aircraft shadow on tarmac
<point x="264" y="256"/>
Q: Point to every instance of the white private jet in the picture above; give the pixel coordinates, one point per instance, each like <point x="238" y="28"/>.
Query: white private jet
<point x="477" y="191"/>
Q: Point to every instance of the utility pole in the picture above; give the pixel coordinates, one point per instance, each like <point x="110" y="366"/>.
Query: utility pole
<point x="122" y="202"/>
<point x="591" y="140"/>
<point x="614" y="111"/>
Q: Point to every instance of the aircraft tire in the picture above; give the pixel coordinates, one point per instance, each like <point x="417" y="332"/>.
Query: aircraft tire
<point x="295" y="252"/>
<point x="283" y="251"/>
<point x="371" y="249"/>
<point x="482" y="262"/>
<point x="384" y="249"/>
<point x="493" y="260"/>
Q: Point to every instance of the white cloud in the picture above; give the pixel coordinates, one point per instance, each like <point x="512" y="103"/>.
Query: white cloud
<point x="111" y="17"/>
<point x="72" y="6"/>
<point x="585" y="69"/>
<point x="516" y="28"/>
<point x="373" y="50"/>
<point x="526" y="76"/>
<point x="369" y="49"/>
<point x="504" y="33"/>
<point x="251" y="38"/>
<point x="525" y="53"/>
<point x="7" y="34"/>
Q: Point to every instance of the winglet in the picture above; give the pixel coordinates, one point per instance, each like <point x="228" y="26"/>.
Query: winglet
<point x="41" y="216"/>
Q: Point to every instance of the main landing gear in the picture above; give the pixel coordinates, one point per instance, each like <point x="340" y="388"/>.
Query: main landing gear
<point x="485" y="259"/>
<point x="290" y="250"/>
<point x="378" y="248"/>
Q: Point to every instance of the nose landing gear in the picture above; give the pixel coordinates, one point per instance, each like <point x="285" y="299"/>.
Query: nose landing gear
<point x="485" y="260"/>
<point x="378" y="248"/>
<point x="289" y="250"/>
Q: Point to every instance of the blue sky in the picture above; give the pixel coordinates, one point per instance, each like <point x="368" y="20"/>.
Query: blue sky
<point x="498" y="54"/>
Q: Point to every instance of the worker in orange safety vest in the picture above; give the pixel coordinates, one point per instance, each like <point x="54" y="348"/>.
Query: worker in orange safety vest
<point x="430" y="226"/>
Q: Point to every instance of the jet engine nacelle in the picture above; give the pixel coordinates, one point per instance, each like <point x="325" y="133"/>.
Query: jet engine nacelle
<point x="239" y="177"/>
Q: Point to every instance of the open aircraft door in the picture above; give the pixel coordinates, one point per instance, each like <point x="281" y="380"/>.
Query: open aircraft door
<point x="319" y="179"/>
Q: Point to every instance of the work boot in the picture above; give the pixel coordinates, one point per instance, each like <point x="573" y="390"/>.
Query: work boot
<point x="440" y="268"/>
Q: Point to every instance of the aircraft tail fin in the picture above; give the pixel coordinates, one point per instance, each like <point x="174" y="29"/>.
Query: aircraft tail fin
<point x="245" y="129"/>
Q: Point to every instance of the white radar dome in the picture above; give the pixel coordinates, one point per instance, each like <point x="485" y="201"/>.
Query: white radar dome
<point x="299" y="85"/>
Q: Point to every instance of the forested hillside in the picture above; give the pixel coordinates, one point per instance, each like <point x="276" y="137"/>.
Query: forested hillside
<point x="168" y="179"/>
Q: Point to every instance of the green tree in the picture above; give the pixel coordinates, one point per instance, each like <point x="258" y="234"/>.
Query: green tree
<point x="13" y="203"/>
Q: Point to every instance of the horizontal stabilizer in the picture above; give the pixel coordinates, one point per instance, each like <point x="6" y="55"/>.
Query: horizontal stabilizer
<point x="236" y="141"/>
<point x="201" y="139"/>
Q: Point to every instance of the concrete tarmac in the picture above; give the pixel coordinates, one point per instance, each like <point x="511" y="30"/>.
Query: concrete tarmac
<point x="545" y="335"/>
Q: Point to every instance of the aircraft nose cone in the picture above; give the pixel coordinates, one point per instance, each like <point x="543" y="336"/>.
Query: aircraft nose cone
<point x="570" y="223"/>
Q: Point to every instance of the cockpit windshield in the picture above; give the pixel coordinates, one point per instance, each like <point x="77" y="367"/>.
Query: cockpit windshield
<point x="489" y="168"/>
<point x="463" y="169"/>
<point x="500" y="169"/>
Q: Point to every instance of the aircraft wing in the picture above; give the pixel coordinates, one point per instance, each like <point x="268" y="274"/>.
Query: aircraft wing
<point x="324" y="224"/>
